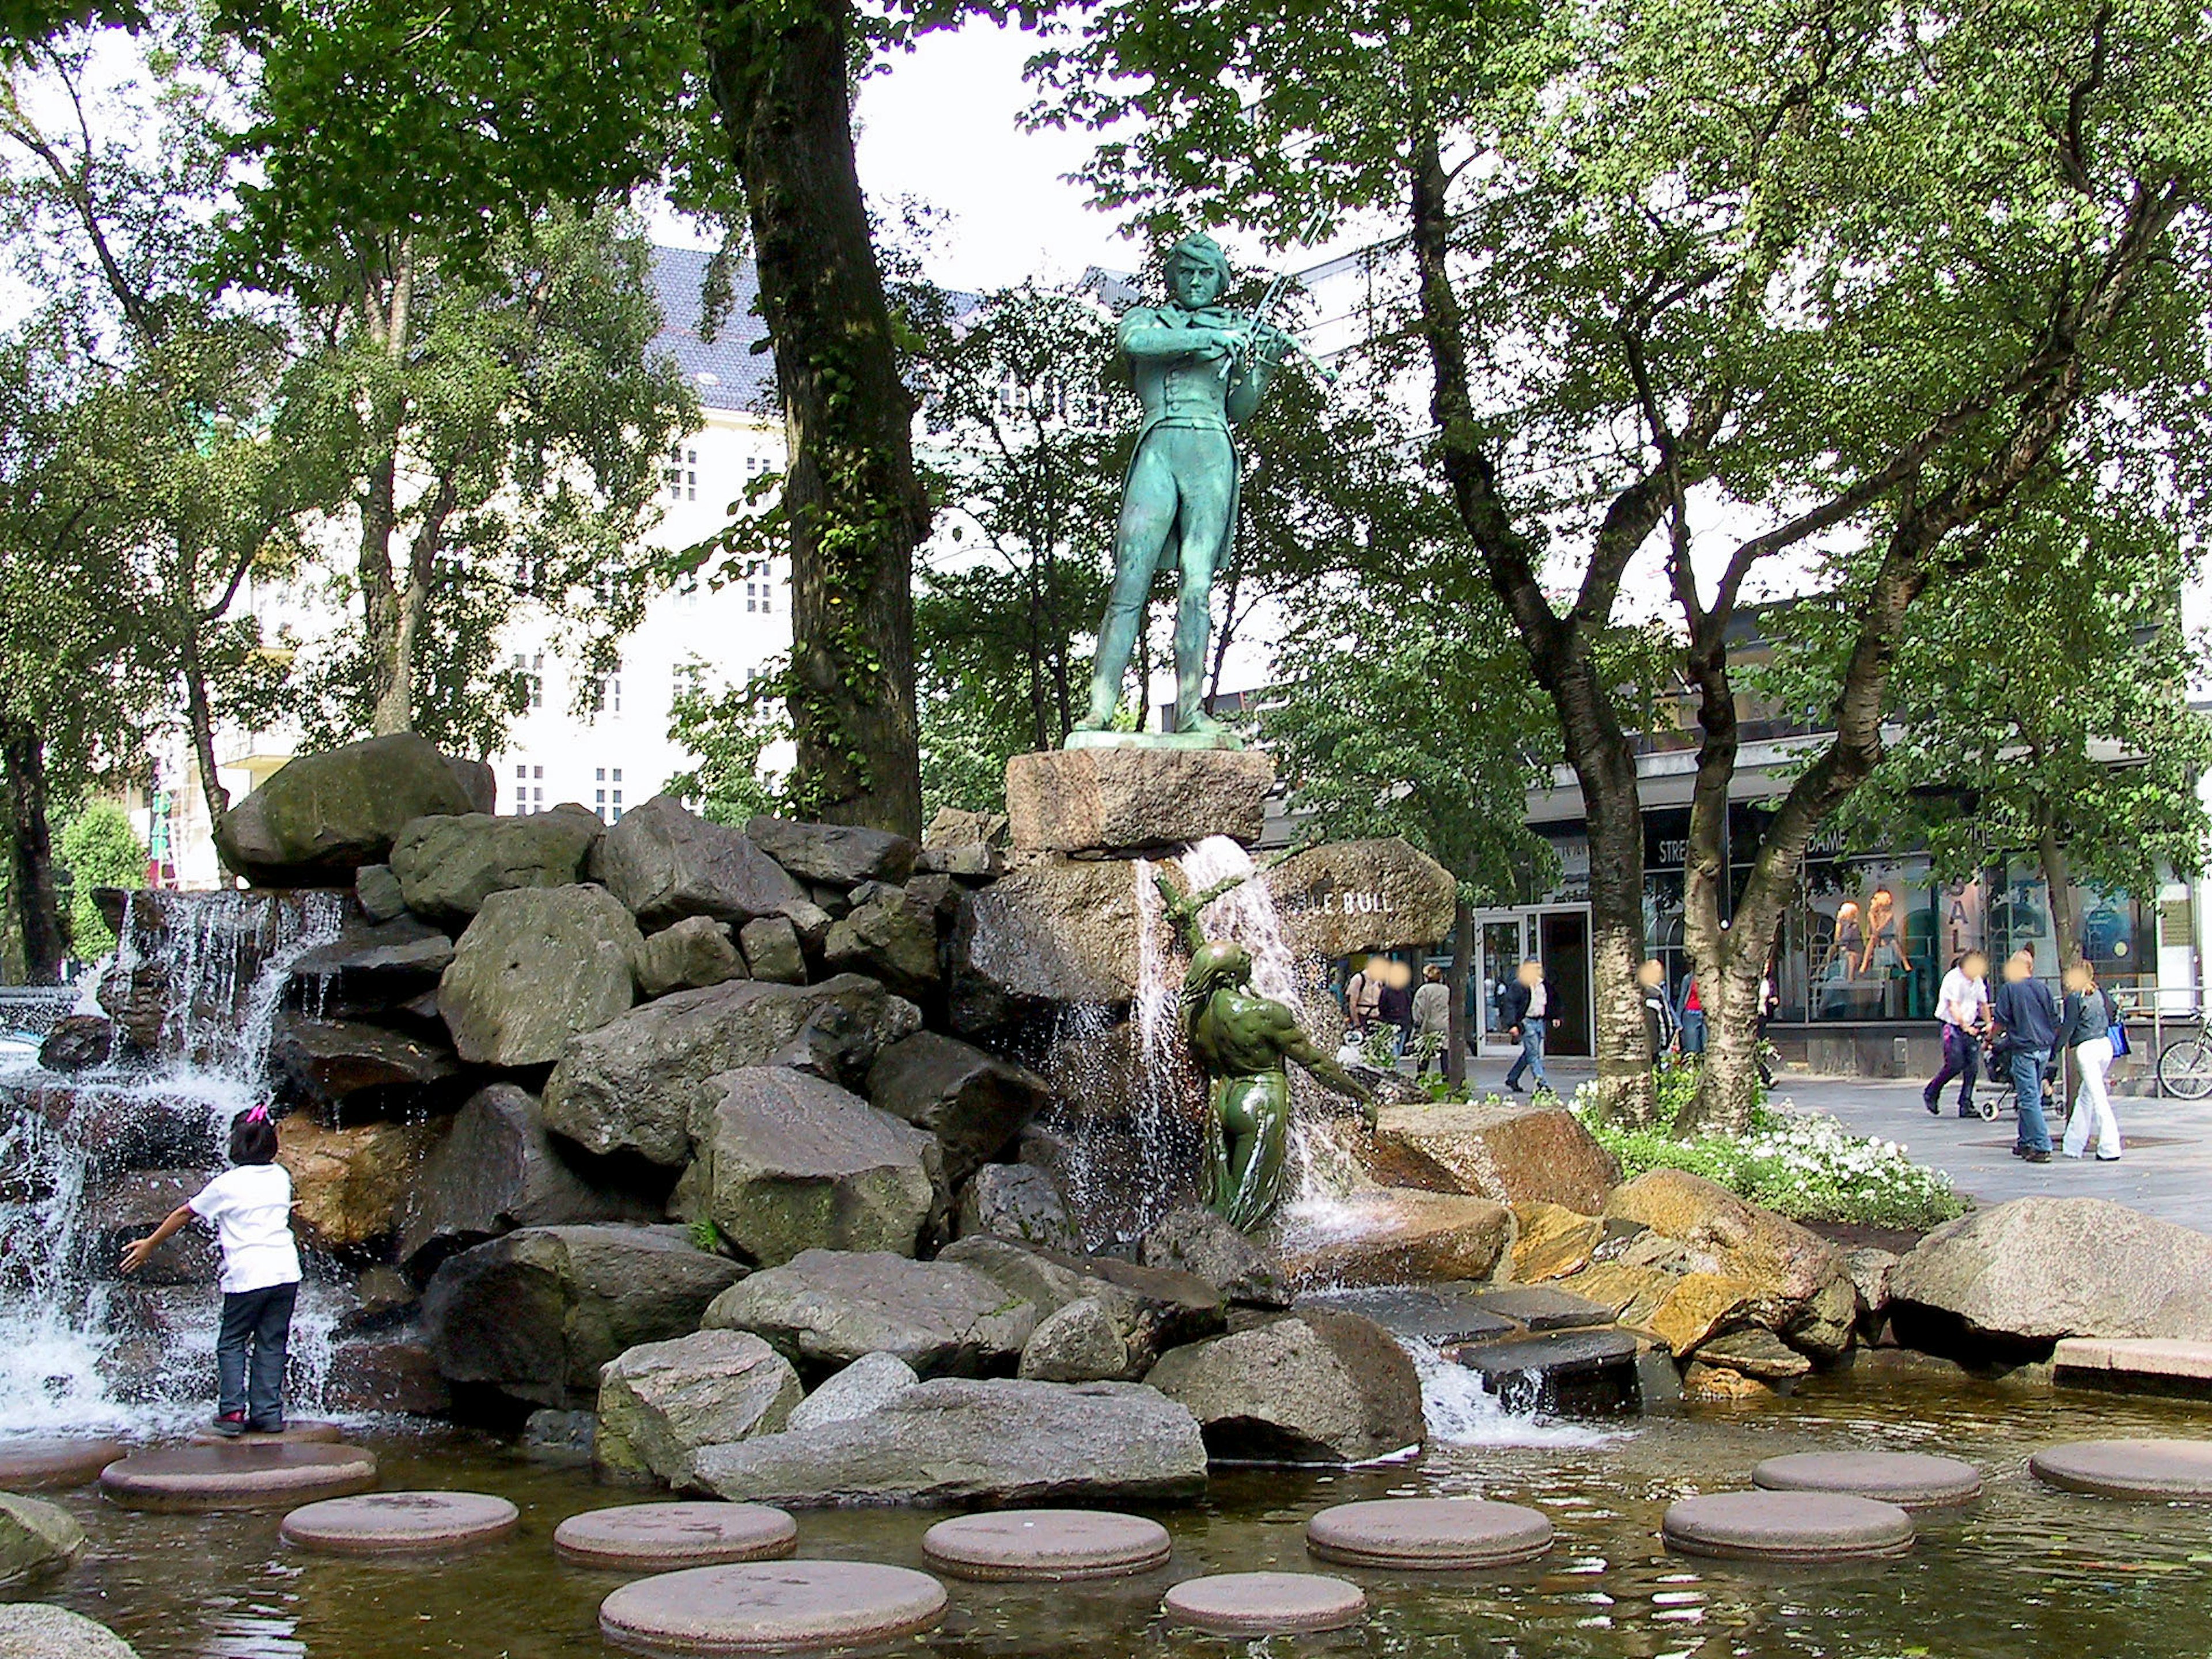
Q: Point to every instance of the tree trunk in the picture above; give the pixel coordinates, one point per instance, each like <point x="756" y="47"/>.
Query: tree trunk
<point x="1560" y="650"/>
<point x="31" y="853"/>
<point x="199" y="715"/>
<point x="1463" y="967"/>
<point x="2065" y="903"/>
<point x="856" y="509"/>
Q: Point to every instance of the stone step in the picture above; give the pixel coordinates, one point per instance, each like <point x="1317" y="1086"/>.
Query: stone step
<point x="1451" y="1312"/>
<point x="2135" y="1365"/>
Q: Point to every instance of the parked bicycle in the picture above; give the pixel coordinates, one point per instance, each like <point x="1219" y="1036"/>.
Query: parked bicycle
<point x="2182" y="1060"/>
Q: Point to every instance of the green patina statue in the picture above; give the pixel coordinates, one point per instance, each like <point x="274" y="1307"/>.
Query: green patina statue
<point x="1243" y="1042"/>
<point x="1199" y="370"/>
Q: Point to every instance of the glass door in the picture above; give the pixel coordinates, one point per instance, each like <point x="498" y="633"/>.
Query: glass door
<point x="1501" y="945"/>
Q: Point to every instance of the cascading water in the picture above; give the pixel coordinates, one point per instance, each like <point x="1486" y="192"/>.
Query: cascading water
<point x="203" y="976"/>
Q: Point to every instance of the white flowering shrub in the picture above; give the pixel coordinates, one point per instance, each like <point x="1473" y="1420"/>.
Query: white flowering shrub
<point x="1802" y="1165"/>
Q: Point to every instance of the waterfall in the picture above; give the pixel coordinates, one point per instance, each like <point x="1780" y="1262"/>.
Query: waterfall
<point x="80" y="1349"/>
<point x="1459" y="1411"/>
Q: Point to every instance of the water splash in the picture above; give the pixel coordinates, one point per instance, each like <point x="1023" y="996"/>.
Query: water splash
<point x="80" y="1350"/>
<point x="1460" y="1412"/>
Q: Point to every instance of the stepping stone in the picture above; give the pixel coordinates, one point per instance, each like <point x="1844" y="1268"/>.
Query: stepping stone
<point x="52" y="1464"/>
<point x="2129" y="1468"/>
<point x="771" y="1607"/>
<point x="659" y="1537"/>
<point x="1786" y="1526"/>
<point x="307" y="1433"/>
<point x="1046" y="1544"/>
<point x="1265" y="1603"/>
<point x="1912" y="1480"/>
<point x="236" y="1476"/>
<point x="393" y="1522"/>
<point x="1429" y="1534"/>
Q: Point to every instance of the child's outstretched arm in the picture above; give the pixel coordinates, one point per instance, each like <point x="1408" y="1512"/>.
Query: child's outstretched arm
<point x="135" y="1252"/>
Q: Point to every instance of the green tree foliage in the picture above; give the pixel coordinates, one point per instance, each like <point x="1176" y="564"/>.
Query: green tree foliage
<point x="1725" y="283"/>
<point x="2044" y="710"/>
<point x="730" y="732"/>
<point x="99" y="848"/>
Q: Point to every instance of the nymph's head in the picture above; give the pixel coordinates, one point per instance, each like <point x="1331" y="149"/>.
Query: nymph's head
<point x="1215" y="967"/>
<point x="1197" y="272"/>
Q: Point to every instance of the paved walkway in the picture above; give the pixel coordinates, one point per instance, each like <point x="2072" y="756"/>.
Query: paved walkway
<point x="2166" y="1172"/>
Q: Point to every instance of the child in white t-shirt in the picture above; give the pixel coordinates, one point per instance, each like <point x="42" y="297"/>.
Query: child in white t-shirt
<point x="250" y="1206"/>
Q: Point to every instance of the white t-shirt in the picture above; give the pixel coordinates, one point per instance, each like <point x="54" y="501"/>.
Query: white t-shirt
<point x="1960" y="1001"/>
<point x="1537" y="1008"/>
<point x="252" y="1208"/>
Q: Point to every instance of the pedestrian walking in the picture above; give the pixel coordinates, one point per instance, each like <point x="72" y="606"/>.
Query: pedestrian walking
<point x="2025" y="1019"/>
<point x="2085" y="1026"/>
<point x="1394" y="1003"/>
<point x="1962" y="1006"/>
<point x="1661" y="1028"/>
<point x="1690" y="1016"/>
<point x="1362" y="995"/>
<point x="1432" y="1017"/>
<point x="1530" y="1005"/>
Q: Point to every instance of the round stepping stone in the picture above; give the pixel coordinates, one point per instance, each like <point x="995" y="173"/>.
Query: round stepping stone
<point x="1046" y="1544"/>
<point x="54" y="1465"/>
<point x="236" y="1476"/>
<point x="309" y="1433"/>
<point x="2165" y="1469"/>
<point x="1436" y="1533"/>
<point x="657" y="1537"/>
<point x="1786" y="1526"/>
<point x="393" y="1523"/>
<point x="782" y="1607"/>
<point x="1265" y="1603"/>
<point x="1912" y="1480"/>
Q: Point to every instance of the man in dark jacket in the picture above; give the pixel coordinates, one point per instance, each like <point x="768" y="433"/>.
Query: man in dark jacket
<point x="2026" y="1020"/>
<point x="1530" y="1007"/>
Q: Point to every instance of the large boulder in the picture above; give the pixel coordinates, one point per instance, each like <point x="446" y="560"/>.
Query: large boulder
<point x="448" y="865"/>
<point x="1126" y="800"/>
<point x="349" y="1063"/>
<point x="535" y="1314"/>
<point x="1194" y="1240"/>
<point x="1002" y="1442"/>
<point x="497" y="1169"/>
<point x="2025" y="1274"/>
<point x="1313" y="1386"/>
<point x="33" y="1630"/>
<point x="134" y="1203"/>
<point x="1512" y="1154"/>
<point x="1683" y="1310"/>
<point x="369" y="971"/>
<point x="661" y="1401"/>
<point x="78" y="1043"/>
<point x="36" y="1537"/>
<point x="772" y="949"/>
<point x="694" y="953"/>
<point x="633" y="1085"/>
<point x="1078" y="1344"/>
<point x="1153" y="1309"/>
<point x="863" y="1386"/>
<point x="833" y="855"/>
<point x="1345" y="897"/>
<point x="891" y="935"/>
<point x="1017" y="1201"/>
<point x="975" y="1103"/>
<point x="666" y="863"/>
<point x="1053" y="932"/>
<point x="1806" y="1294"/>
<point x="784" y="1161"/>
<point x="537" y="966"/>
<point x="1392" y="1235"/>
<point x="348" y="1184"/>
<point x="322" y="817"/>
<point x="826" y="1309"/>
<point x="1551" y="1241"/>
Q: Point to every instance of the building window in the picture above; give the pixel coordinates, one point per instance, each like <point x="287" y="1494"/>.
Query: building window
<point x="759" y="596"/>
<point x="607" y="796"/>
<point x="680" y="477"/>
<point x="607" y="699"/>
<point x="532" y="670"/>
<point x="529" y="789"/>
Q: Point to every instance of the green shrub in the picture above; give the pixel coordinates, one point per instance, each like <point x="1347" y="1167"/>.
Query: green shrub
<point x="99" y="849"/>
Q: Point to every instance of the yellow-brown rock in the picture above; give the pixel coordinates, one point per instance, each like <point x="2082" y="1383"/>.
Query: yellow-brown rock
<point x="1510" y="1154"/>
<point x="1806" y="1292"/>
<point x="1551" y="1241"/>
<point x="1718" y="1383"/>
<point x="1679" y="1309"/>
<point x="1393" y="1235"/>
<point x="348" y="1183"/>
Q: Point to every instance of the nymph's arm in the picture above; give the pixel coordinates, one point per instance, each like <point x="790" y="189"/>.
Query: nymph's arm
<point x="1292" y="1042"/>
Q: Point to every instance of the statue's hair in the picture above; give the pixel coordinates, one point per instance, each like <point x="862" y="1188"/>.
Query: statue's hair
<point x="1213" y="967"/>
<point x="1199" y="249"/>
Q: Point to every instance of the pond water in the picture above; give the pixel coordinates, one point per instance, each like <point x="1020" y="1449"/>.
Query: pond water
<point x="2025" y="1572"/>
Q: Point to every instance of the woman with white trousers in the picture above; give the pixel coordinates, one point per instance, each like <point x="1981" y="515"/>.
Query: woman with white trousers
<point x="2084" y="1025"/>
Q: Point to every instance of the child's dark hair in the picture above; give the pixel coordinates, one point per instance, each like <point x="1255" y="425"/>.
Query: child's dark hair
<point x="252" y="1138"/>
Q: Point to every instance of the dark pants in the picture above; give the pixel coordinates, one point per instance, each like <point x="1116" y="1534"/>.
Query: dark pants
<point x="1693" y="1030"/>
<point x="256" y="1325"/>
<point x="1960" y="1052"/>
<point x="2026" y="1066"/>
